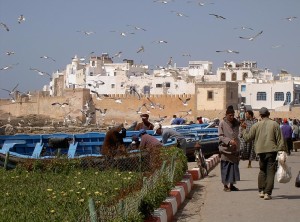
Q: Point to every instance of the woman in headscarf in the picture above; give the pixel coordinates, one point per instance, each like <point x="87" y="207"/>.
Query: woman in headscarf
<point x="229" y="147"/>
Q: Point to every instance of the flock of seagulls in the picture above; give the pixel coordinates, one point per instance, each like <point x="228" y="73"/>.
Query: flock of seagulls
<point x="141" y="49"/>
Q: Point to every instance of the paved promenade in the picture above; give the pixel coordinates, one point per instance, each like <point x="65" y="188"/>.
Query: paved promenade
<point x="207" y="202"/>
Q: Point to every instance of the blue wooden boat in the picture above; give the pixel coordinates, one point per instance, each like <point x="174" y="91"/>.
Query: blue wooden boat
<point x="26" y="146"/>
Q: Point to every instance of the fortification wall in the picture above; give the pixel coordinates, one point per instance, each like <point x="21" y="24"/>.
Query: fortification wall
<point x="165" y="105"/>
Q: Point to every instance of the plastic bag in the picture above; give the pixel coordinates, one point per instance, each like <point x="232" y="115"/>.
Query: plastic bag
<point x="297" y="182"/>
<point x="283" y="174"/>
<point x="281" y="157"/>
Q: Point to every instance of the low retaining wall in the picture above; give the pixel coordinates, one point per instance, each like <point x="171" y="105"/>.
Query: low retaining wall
<point x="170" y="205"/>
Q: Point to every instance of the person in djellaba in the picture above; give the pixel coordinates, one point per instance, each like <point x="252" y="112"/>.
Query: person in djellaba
<point x="229" y="147"/>
<point x="113" y="142"/>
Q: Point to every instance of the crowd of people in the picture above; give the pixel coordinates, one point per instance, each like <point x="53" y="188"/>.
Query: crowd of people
<point x="241" y="137"/>
<point x="244" y="137"/>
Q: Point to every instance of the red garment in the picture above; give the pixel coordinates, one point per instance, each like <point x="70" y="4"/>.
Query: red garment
<point x="148" y="141"/>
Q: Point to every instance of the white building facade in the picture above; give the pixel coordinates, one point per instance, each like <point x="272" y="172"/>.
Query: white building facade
<point x="257" y="87"/>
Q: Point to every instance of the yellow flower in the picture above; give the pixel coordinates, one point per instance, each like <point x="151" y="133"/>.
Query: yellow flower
<point x="81" y="200"/>
<point x="52" y="211"/>
<point x="96" y="173"/>
<point x="49" y="189"/>
<point x="83" y="188"/>
<point x="78" y="182"/>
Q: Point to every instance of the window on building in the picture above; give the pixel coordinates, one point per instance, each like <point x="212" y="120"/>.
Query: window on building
<point x="115" y="73"/>
<point x="261" y="96"/>
<point x="233" y="76"/>
<point x="168" y="84"/>
<point x="288" y="97"/>
<point x="223" y="76"/>
<point x="159" y="85"/>
<point x="245" y="76"/>
<point x="278" y="96"/>
<point x="91" y="73"/>
<point x="210" y="95"/>
<point x="113" y="86"/>
<point x="243" y="88"/>
<point x="93" y="63"/>
<point x="243" y="99"/>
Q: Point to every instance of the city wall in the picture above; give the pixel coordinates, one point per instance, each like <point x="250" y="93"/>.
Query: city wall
<point x="127" y="111"/>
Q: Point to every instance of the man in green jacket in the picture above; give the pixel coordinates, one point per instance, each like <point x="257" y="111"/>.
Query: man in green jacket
<point x="268" y="140"/>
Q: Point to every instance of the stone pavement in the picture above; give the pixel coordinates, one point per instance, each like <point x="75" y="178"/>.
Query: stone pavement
<point x="207" y="202"/>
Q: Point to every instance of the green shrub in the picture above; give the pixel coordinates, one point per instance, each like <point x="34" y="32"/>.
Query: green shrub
<point x="155" y="196"/>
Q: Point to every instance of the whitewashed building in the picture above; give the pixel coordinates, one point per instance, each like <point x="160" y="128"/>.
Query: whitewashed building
<point x="256" y="87"/>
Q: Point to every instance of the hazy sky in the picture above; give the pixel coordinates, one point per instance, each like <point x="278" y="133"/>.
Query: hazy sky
<point x="51" y="29"/>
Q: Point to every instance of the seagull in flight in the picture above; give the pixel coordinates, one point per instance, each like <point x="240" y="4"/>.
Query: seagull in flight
<point x="228" y="51"/>
<point x="218" y="16"/>
<point x="10" y="53"/>
<point x="188" y="112"/>
<point x="87" y="32"/>
<point x="60" y="104"/>
<point x="186" y="54"/>
<point x="252" y="38"/>
<point x="124" y="34"/>
<point x="184" y="101"/>
<point x="152" y="104"/>
<point x="179" y="14"/>
<point x="137" y="28"/>
<point x="163" y="1"/>
<point x="118" y="54"/>
<point x="290" y="18"/>
<point x="102" y="112"/>
<point x="4" y="26"/>
<point x="99" y="97"/>
<point x="21" y="19"/>
<point x="8" y="67"/>
<point x="160" y="41"/>
<point x="141" y="49"/>
<point x="47" y="57"/>
<point x="139" y="110"/>
<point x="244" y="28"/>
<point x="41" y="73"/>
<point x="204" y="3"/>
<point x="11" y="92"/>
<point x="276" y="46"/>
